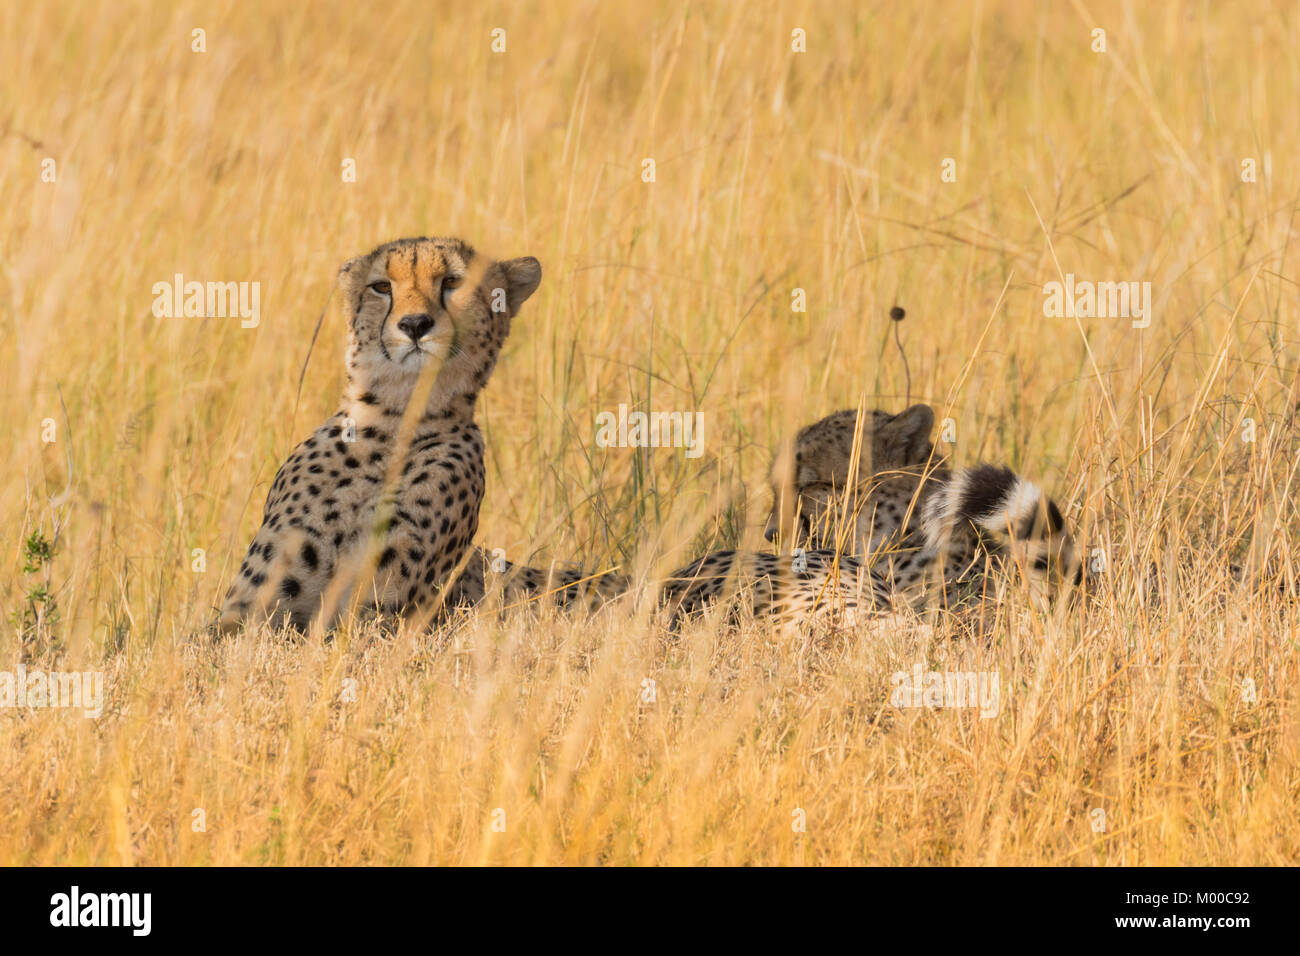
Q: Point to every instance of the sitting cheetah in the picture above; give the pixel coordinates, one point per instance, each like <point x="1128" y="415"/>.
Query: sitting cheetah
<point x="875" y="517"/>
<point x="380" y="504"/>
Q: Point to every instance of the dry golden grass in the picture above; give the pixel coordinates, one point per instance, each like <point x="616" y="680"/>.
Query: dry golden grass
<point x="775" y="170"/>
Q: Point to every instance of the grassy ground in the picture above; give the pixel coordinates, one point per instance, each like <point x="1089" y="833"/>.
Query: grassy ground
<point x="1156" y="729"/>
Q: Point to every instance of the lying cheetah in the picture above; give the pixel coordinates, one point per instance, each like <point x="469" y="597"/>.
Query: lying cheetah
<point x="379" y="505"/>
<point x="906" y="512"/>
<point x="876" y="518"/>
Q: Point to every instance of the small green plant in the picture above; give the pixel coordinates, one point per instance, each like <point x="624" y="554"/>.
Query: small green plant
<point x="36" y="552"/>
<point x="39" y="612"/>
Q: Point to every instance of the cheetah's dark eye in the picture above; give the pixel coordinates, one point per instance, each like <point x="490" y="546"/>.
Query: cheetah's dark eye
<point x="450" y="284"/>
<point x="383" y="288"/>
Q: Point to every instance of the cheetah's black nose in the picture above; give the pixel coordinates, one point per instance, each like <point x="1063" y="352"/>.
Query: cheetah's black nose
<point x="415" y="325"/>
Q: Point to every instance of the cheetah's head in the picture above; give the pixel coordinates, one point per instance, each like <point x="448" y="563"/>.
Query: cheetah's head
<point x="810" y="474"/>
<point x="416" y="302"/>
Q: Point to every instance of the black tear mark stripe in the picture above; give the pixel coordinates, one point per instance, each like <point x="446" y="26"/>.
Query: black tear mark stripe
<point x="379" y="333"/>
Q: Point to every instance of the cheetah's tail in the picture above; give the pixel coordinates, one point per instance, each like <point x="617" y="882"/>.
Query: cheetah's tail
<point x="1009" y="516"/>
<point x="519" y="584"/>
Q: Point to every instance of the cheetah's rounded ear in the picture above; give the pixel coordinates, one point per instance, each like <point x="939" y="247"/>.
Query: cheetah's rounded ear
<point x="350" y="266"/>
<point x="919" y="417"/>
<point x="907" y="434"/>
<point x="523" y="276"/>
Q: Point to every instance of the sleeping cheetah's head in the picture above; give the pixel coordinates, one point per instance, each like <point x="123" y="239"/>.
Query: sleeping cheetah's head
<point x="810" y="475"/>
<point x="413" y="303"/>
